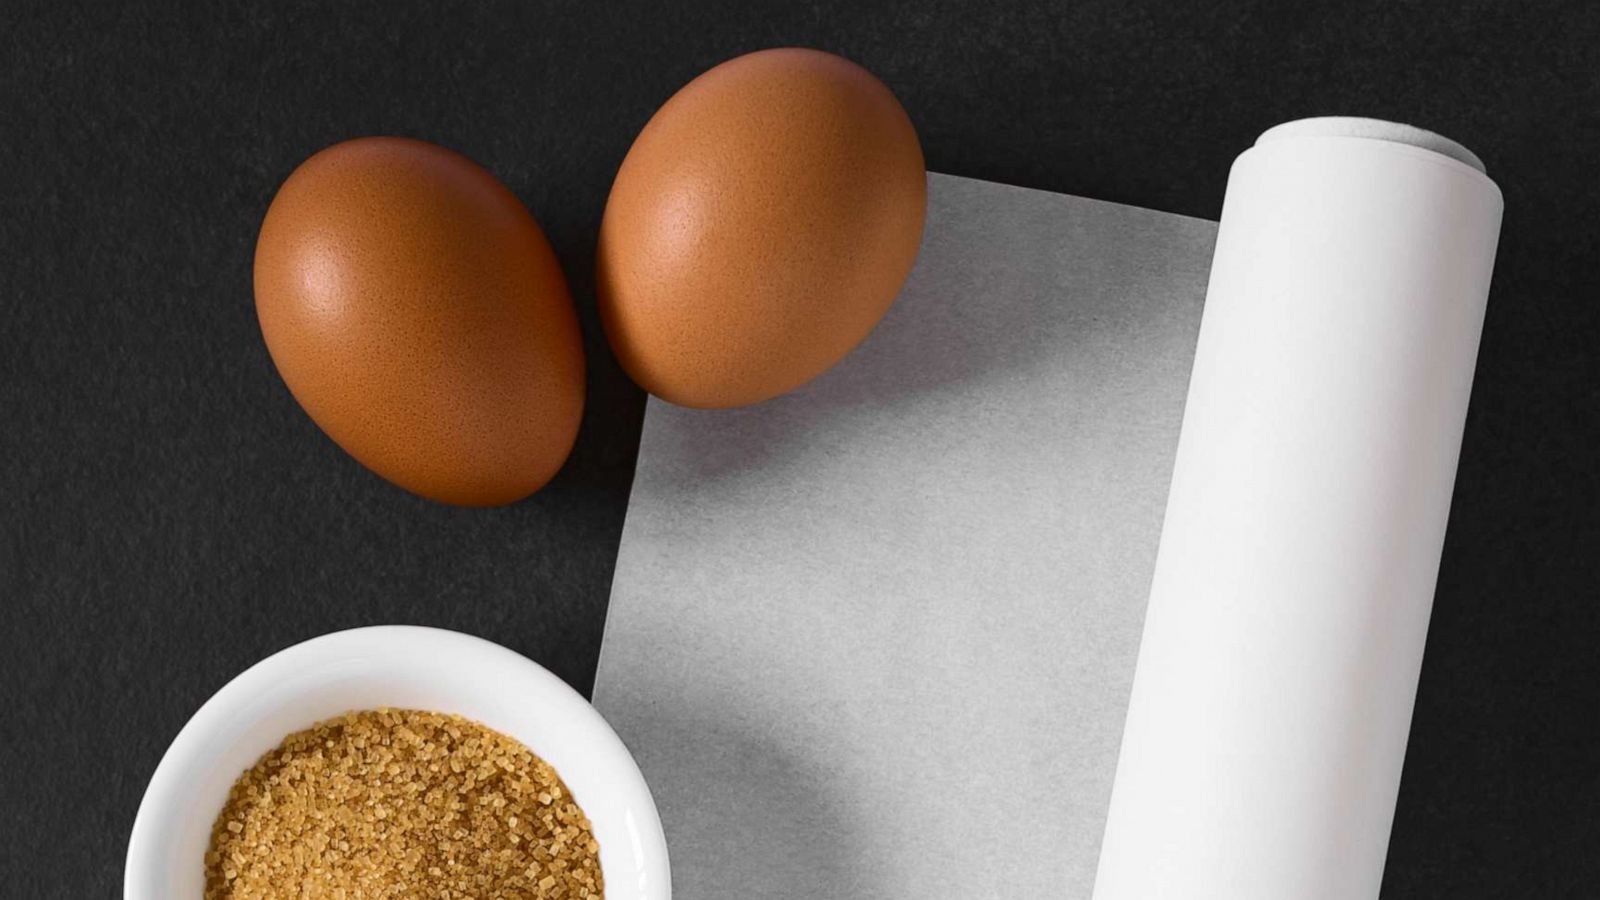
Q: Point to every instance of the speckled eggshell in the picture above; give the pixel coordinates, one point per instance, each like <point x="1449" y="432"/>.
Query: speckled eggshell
<point x="418" y="314"/>
<point x="760" y="226"/>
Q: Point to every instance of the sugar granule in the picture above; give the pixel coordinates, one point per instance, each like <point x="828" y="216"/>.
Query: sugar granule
<point x="401" y="803"/>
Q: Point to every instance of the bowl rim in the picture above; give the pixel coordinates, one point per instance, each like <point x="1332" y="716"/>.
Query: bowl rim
<point x="195" y="742"/>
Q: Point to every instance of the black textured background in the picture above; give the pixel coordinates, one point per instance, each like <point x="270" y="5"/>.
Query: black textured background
<point x="168" y="515"/>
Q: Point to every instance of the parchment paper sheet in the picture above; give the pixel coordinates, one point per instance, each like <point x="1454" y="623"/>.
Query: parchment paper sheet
<point x="875" y="638"/>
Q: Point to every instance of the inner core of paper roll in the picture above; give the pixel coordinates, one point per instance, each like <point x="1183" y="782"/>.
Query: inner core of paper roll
<point x="1373" y="129"/>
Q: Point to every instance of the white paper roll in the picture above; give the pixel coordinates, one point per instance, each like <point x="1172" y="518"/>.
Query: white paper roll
<point x="1262" y="752"/>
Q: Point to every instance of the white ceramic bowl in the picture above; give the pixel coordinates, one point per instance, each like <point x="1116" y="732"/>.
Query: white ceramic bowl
<point x="401" y="667"/>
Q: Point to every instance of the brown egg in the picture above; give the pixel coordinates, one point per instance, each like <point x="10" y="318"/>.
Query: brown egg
<point x="760" y="226"/>
<point x="416" y="311"/>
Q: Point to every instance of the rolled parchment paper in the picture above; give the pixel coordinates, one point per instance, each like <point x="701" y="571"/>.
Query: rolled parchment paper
<point x="1263" y="745"/>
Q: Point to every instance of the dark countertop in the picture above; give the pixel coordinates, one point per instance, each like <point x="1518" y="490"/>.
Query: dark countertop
<point x="170" y="516"/>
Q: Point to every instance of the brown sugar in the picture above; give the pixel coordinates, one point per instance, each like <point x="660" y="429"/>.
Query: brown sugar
<point x="401" y="804"/>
